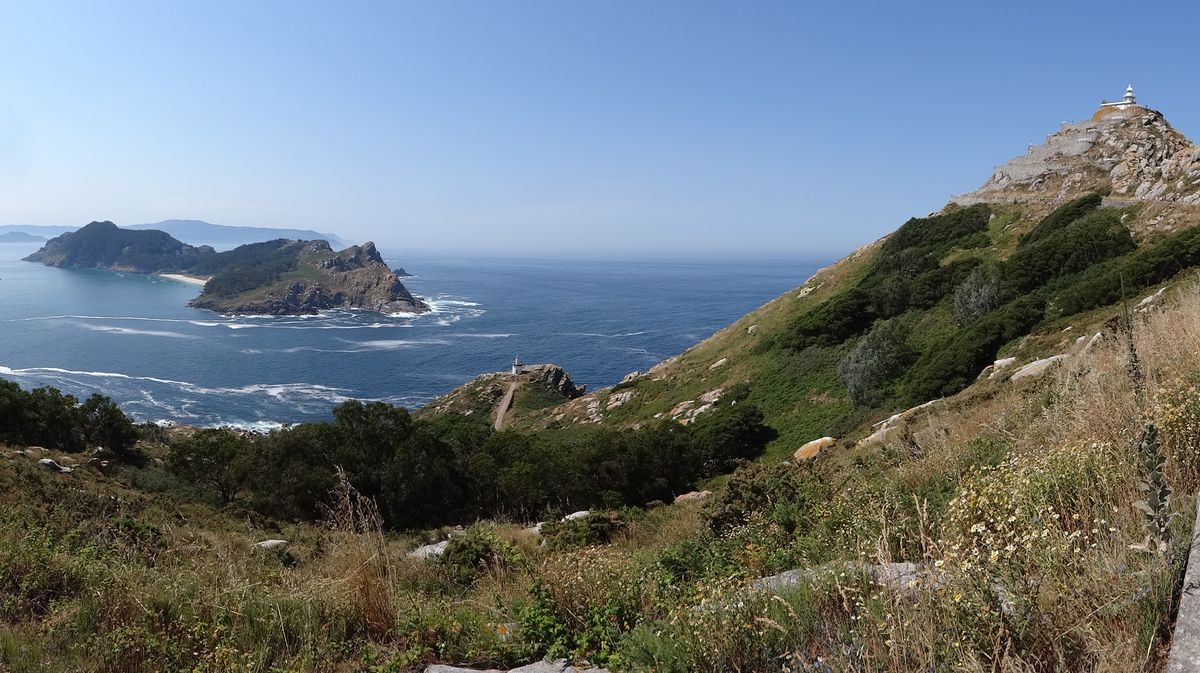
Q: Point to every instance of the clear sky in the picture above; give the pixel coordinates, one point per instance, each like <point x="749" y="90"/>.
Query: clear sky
<point x="565" y="128"/>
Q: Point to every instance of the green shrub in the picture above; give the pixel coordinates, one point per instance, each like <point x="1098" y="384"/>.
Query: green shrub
<point x="595" y="528"/>
<point x="475" y="552"/>
<point x="952" y="366"/>
<point x="876" y="360"/>
<point x="780" y="492"/>
<point x="977" y="295"/>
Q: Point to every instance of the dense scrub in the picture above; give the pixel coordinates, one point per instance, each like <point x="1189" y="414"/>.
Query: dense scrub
<point x="1076" y="258"/>
<point x="452" y="469"/>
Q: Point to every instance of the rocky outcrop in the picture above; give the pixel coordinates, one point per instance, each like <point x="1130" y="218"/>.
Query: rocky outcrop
<point x="1134" y="153"/>
<point x="556" y="378"/>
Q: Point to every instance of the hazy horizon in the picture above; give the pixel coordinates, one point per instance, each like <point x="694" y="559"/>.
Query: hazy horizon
<point x="664" y="130"/>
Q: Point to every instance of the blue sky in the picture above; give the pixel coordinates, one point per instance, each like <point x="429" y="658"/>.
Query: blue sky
<point x="560" y="128"/>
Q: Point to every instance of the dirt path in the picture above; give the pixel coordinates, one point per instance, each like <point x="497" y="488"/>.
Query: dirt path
<point x="505" y="403"/>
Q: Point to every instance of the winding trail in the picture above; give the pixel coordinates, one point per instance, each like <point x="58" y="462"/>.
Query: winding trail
<point x="505" y="403"/>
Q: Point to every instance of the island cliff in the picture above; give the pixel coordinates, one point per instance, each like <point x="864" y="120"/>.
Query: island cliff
<point x="279" y="277"/>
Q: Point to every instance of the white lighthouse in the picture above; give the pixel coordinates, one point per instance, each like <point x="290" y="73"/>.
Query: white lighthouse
<point x="1127" y="103"/>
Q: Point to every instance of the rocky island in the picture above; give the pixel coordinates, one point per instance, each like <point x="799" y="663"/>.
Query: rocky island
<point x="278" y="277"/>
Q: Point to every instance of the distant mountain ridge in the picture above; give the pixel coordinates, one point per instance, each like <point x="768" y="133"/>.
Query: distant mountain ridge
<point x="19" y="237"/>
<point x="276" y="277"/>
<point x="197" y="232"/>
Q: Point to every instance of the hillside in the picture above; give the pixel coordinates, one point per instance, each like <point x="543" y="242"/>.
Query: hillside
<point x="1044" y="248"/>
<point x="973" y="444"/>
<point x="277" y="277"/>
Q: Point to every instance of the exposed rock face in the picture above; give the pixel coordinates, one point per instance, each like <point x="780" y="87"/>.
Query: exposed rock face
<point x="555" y="377"/>
<point x="1134" y="152"/>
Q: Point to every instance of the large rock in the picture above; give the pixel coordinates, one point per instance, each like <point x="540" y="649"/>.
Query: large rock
<point x="811" y="449"/>
<point x="430" y="550"/>
<point x="895" y="576"/>
<point x="272" y="544"/>
<point x="1151" y="300"/>
<point x="556" y="666"/>
<point x="1037" y="368"/>
<point x="53" y="466"/>
<point x="693" y="496"/>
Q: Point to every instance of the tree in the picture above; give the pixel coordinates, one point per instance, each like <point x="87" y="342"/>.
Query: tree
<point x="978" y="294"/>
<point x="218" y="458"/>
<point x="52" y="419"/>
<point x="107" y="426"/>
<point x="876" y="359"/>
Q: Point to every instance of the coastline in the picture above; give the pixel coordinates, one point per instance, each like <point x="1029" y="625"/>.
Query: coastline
<point x="183" y="278"/>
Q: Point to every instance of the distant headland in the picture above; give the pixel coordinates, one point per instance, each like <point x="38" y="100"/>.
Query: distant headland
<point x="277" y="277"/>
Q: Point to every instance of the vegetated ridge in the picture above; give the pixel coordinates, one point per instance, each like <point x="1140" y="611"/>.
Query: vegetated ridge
<point x="277" y="277"/>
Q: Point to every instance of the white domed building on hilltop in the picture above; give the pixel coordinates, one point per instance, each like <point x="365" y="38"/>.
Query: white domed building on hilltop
<point x="1129" y="102"/>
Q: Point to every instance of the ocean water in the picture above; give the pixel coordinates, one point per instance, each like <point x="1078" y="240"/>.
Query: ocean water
<point x="132" y="337"/>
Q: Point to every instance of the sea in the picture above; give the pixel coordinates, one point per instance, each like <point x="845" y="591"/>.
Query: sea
<point x="132" y="337"/>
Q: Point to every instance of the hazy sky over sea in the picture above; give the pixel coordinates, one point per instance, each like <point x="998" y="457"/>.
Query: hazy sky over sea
<point x="556" y="127"/>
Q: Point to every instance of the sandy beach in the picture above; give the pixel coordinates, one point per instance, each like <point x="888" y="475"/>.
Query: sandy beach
<point x="193" y="280"/>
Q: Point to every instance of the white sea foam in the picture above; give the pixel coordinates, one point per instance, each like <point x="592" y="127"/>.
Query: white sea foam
<point x="620" y="335"/>
<point x="280" y="391"/>
<point x="112" y="329"/>
<point x="392" y="344"/>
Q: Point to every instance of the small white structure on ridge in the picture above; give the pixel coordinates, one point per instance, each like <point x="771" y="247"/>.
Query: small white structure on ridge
<point x="518" y="366"/>
<point x="1130" y="101"/>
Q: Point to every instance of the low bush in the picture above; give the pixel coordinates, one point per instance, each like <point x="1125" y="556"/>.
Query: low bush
<point x="952" y="366"/>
